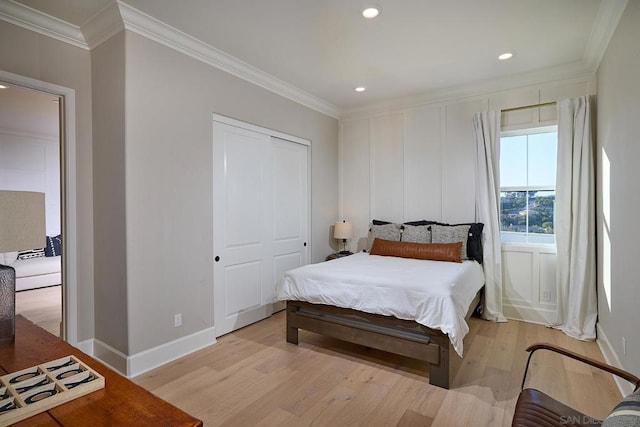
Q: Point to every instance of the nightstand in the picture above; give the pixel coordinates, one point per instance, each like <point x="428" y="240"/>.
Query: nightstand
<point x="338" y="255"/>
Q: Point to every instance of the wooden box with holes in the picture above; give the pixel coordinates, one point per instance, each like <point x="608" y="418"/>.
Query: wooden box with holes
<point x="39" y="388"/>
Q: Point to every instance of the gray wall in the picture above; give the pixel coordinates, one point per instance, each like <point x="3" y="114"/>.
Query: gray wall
<point x="108" y="83"/>
<point x="38" y="57"/>
<point x="170" y="99"/>
<point x="618" y="151"/>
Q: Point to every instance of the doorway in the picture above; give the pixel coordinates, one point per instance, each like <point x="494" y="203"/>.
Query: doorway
<point x="68" y="195"/>
<point x="30" y="148"/>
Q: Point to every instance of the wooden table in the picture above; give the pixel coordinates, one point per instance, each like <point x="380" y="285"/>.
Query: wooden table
<point x="120" y="403"/>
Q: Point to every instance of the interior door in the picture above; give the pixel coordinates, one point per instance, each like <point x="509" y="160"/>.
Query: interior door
<point x="291" y="208"/>
<point x="243" y="207"/>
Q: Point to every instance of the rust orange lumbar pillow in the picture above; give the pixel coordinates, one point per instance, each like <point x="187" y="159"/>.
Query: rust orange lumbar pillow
<point x="431" y="251"/>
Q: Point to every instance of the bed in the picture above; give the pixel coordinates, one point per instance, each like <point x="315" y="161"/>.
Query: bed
<point x="377" y="302"/>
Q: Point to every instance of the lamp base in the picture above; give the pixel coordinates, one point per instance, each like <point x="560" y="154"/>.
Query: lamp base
<point x="7" y="304"/>
<point x="345" y="253"/>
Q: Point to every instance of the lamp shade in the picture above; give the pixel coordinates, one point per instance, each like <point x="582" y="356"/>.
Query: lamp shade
<point x="22" y="220"/>
<point x="343" y="230"/>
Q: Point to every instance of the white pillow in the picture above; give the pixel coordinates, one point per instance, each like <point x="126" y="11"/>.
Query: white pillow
<point x="8" y="258"/>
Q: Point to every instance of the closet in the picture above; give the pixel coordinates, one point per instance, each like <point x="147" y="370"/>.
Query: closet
<point x="261" y="218"/>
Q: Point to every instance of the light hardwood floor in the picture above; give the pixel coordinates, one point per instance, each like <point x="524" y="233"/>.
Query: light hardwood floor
<point x="252" y="377"/>
<point x="42" y="306"/>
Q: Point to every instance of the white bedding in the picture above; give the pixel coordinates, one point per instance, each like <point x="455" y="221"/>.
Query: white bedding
<point x="433" y="293"/>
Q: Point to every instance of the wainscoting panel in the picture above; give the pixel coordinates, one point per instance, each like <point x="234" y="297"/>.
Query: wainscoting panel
<point x="423" y="164"/>
<point x="355" y="176"/>
<point x="529" y="282"/>
<point x="387" y="166"/>
<point x="517" y="277"/>
<point x="459" y="162"/>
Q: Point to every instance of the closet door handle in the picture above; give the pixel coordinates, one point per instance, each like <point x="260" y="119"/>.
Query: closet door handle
<point x="217" y="259"/>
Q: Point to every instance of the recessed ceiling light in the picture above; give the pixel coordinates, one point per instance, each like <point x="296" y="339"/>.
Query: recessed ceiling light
<point x="371" y="11"/>
<point x="505" y="56"/>
<point x="3" y="87"/>
<point x="360" y="89"/>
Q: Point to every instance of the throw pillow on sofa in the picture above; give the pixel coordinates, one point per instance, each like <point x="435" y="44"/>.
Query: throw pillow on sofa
<point x="54" y="246"/>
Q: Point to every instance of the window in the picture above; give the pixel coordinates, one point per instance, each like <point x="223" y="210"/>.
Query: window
<point x="527" y="185"/>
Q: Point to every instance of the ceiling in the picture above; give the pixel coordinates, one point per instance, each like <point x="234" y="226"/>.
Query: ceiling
<point x="326" y="48"/>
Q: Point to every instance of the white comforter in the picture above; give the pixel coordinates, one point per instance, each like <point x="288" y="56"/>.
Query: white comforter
<point x="433" y="293"/>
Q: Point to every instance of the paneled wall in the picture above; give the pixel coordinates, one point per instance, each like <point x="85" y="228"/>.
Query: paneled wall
<point x="529" y="281"/>
<point x="32" y="163"/>
<point x="418" y="162"/>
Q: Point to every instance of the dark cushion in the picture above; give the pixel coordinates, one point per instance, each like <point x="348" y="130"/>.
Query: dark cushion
<point x="474" y="243"/>
<point x="420" y="222"/>
<point x="54" y="246"/>
<point x="428" y="251"/>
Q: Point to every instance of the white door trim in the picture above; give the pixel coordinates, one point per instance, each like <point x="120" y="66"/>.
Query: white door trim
<point x="259" y="129"/>
<point x="69" y="202"/>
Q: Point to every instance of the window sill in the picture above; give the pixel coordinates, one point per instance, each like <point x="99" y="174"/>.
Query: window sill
<point x="523" y="246"/>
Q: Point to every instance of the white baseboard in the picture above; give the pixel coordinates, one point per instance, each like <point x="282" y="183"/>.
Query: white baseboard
<point x="86" y="346"/>
<point x="529" y="314"/>
<point x="165" y="353"/>
<point x="611" y="357"/>
<point x="144" y="361"/>
<point x="111" y="357"/>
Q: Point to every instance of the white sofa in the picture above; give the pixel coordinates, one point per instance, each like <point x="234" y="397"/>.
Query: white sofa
<point x="36" y="273"/>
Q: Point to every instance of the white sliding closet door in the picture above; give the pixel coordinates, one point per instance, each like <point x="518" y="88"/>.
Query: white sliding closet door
<point x="291" y="208"/>
<point x="260" y="221"/>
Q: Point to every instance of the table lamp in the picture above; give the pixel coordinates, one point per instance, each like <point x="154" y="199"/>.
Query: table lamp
<point x="22" y="227"/>
<point x="343" y="230"/>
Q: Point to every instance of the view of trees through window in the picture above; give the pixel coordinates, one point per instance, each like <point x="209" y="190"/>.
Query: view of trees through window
<point x="527" y="193"/>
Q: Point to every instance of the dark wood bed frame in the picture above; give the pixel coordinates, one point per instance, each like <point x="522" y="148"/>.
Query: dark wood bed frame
<point x="387" y="333"/>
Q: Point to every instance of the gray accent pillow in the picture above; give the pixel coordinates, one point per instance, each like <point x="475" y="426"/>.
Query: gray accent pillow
<point x="451" y="234"/>
<point x="416" y="234"/>
<point x="385" y="232"/>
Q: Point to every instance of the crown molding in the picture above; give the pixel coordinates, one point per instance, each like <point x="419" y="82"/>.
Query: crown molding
<point x="604" y="25"/>
<point x="103" y="25"/>
<point x="31" y="19"/>
<point x="572" y="71"/>
<point x="151" y="28"/>
<point x="116" y="16"/>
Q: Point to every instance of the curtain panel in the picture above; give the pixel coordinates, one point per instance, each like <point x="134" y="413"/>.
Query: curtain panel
<point x="575" y="221"/>
<point x="486" y="127"/>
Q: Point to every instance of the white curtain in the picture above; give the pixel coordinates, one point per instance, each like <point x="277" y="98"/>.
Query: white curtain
<point x="575" y="221"/>
<point x="486" y="127"/>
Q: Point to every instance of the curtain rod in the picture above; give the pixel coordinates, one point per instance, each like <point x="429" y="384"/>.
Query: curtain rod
<point x="529" y="106"/>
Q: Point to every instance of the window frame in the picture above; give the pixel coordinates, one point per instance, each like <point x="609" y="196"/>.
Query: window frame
<point x="521" y="132"/>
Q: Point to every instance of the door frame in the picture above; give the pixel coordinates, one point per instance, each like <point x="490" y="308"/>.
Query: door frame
<point x="68" y="194"/>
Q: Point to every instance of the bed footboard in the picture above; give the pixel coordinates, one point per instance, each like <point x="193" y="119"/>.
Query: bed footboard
<point x="385" y="333"/>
